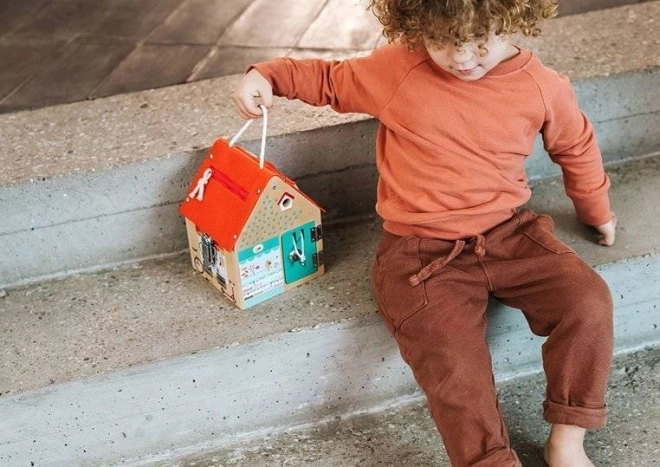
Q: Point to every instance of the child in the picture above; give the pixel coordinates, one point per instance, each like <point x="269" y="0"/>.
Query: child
<point x="459" y="108"/>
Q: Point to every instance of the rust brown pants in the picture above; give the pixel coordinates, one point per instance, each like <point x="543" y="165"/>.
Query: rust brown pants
<point x="433" y="294"/>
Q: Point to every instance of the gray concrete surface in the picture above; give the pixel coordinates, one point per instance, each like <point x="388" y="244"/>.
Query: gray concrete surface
<point x="160" y="308"/>
<point x="205" y="401"/>
<point x="198" y="373"/>
<point x="146" y="363"/>
<point x="403" y="434"/>
<point x="190" y="404"/>
<point x="101" y="186"/>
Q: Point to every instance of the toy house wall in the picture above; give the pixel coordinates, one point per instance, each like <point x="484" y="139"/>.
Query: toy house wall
<point x="269" y="223"/>
<point x="229" y="283"/>
<point x="260" y="266"/>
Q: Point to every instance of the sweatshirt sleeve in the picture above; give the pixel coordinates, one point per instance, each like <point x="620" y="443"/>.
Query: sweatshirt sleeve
<point x="362" y="85"/>
<point x="569" y="139"/>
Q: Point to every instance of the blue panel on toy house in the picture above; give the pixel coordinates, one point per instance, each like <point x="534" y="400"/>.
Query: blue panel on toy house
<point x="261" y="272"/>
<point x="299" y="253"/>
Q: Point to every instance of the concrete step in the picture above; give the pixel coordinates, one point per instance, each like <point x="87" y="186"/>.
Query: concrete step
<point x="96" y="183"/>
<point x="161" y="308"/>
<point x="148" y="361"/>
<point x="142" y="362"/>
<point x="403" y="433"/>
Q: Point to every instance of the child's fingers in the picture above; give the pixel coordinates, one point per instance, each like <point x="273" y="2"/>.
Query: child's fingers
<point x="607" y="232"/>
<point x="607" y="239"/>
<point x="266" y="94"/>
<point x="246" y="107"/>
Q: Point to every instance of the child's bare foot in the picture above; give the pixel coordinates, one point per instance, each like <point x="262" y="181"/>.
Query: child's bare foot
<point x="565" y="447"/>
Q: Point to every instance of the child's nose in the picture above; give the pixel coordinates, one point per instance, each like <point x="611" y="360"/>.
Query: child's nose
<point x="462" y="54"/>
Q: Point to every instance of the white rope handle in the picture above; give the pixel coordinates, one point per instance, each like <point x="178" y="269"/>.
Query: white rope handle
<point x="262" y="154"/>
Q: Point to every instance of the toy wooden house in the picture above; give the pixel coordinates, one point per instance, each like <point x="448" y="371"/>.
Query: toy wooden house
<point x="252" y="233"/>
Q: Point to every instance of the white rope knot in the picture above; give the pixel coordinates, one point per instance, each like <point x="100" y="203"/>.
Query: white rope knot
<point x="198" y="192"/>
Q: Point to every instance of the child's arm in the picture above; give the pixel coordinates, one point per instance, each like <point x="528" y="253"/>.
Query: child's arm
<point x="361" y="85"/>
<point x="570" y="140"/>
<point x="315" y="82"/>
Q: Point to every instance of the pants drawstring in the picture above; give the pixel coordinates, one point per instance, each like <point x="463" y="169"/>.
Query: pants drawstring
<point x="433" y="266"/>
<point x="439" y="263"/>
<point x="480" y="247"/>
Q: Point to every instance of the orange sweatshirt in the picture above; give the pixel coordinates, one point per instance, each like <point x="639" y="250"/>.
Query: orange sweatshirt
<point x="451" y="153"/>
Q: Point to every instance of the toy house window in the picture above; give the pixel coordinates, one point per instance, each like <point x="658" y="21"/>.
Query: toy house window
<point x="286" y="202"/>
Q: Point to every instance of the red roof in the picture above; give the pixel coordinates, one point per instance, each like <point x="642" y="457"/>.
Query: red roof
<point x="230" y="183"/>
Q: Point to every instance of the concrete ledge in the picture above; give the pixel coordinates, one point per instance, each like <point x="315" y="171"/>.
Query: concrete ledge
<point x="403" y="433"/>
<point x="285" y="380"/>
<point x="149" y="358"/>
<point x="97" y="183"/>
<point x="161" y="308"/>
<point x="157" y="124"/>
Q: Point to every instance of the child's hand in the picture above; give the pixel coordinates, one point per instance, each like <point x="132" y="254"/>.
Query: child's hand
<point x="607" y="232"/>
<point x="252" y="86"/>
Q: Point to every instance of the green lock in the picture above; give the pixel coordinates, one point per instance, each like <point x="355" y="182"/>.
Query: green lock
<point x="299" y="252"/>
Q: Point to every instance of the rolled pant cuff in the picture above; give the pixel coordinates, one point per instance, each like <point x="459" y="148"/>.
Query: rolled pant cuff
<point x="574" y="415"/>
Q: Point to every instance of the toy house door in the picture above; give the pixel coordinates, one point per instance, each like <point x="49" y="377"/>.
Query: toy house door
<point x="299" y="252"/>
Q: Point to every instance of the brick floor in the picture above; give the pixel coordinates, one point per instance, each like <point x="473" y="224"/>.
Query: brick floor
<point x="198" y="22"/>
<point x="151" y="66"/>
<point x="266" y="23"/>
<point x="20" y="62"/>
<point x="62" y="19"/>
<point x="58" y="51"/>
<point x="15" y="13"/>
<point x="342" y="24"/>
<point x="131" y="19"/>
<point x="230" y="60"/>
<point x="71" y="75"/>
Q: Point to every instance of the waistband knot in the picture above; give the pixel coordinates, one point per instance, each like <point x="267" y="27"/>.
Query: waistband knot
<point x="439" y="263"/>
<point x="480" y="247"/>
<point x="434" y="265"/>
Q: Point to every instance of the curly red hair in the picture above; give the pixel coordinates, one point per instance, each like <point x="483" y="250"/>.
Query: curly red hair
<point x="435" y="22"/>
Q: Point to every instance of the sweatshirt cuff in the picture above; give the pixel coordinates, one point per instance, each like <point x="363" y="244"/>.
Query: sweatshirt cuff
<point x="269" y="71"/>
<point x="593" y="211"/>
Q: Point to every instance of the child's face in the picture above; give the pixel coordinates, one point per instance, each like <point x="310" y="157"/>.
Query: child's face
<point x="471" y="62"/>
